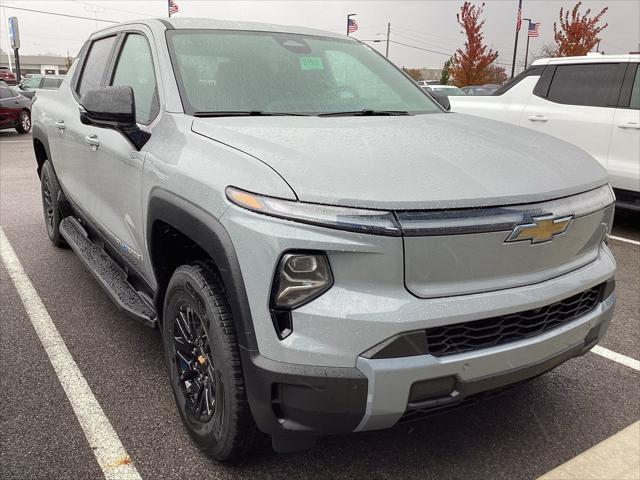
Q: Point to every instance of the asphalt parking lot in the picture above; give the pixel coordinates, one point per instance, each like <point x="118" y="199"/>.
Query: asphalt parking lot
<point x="522" y="434"/>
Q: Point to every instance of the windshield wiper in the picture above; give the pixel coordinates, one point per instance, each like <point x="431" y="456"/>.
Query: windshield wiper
<point x="248" y="113"/>
<point x="365" y="113"/>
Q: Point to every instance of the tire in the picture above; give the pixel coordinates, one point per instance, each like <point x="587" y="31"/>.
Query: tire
<point x="50" y="189"/>
<point x="24" y="123"/>
<point x="202" y="355"/>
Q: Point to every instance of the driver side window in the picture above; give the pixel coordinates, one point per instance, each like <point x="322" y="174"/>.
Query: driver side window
<point x="135" y="69"/>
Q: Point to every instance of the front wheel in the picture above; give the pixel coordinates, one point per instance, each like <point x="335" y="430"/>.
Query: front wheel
<point x="24" y="122"/>
<point x="50" y="189"/>
<point x="201" y="352"/>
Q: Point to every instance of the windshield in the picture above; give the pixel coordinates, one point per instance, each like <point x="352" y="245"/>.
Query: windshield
<point x="247" y="71"/>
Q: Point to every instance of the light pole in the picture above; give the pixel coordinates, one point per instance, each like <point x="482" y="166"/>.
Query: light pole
<point x="526" y="52"/>
<point x="348" y="18"/>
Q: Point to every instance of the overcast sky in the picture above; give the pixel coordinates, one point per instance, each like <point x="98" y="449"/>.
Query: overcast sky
<point x="428" y="25"/>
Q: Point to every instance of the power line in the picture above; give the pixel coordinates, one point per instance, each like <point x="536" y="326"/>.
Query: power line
<point x="59" y="14"/>
<point x="432" y="51"/>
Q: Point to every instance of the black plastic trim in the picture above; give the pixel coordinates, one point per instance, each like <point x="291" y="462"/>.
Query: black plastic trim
<point x="627" y="85"/>
<point x="418" y="223"/>
<point x="213" y="238"/>
<point x="290" y="399"/>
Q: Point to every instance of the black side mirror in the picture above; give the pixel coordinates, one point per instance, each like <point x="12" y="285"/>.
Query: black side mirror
<point x="443" y="100"/>
<point x="115" y="108"/>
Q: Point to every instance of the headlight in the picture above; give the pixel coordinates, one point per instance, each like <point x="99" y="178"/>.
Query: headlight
<point x="299" y="278"/>
<point x="375" y="222"/>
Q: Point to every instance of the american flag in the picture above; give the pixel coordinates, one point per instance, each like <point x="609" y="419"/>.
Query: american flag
<point x="173" y="7"/>
<point x="519" y="20"/>
<point x="534" y="29"/>
<point x="352" y="26"/>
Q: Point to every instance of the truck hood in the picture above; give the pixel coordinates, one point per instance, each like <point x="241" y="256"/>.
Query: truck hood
<point x="409" y="162"/>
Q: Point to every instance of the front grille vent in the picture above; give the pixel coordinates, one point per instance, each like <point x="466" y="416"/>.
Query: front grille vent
<point x="489" y="332"/>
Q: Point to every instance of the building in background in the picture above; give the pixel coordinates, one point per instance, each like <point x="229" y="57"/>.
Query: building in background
<point x="431" y="73"/>
<point x="37" y="64"/>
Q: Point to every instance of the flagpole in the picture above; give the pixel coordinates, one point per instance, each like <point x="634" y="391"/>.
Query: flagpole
<point x="526" y="52"/>
<point x="515" y="45"/>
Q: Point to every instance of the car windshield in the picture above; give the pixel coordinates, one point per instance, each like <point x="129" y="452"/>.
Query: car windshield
<point x="449" y="92"/>
<point x="233" y="72"/>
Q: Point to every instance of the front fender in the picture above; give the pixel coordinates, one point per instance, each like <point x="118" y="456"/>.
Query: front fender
<point x="212" y="237"/>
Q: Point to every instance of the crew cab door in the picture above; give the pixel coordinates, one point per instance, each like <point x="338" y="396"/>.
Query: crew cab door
<point x="74" y="159"/>
<point x="624" y="152"/>
<point x="576" y="103"/>
<point x="119" y="165"/>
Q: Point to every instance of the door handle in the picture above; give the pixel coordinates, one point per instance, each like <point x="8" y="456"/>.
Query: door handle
<point x="538" y="118"/>
<point x="93" y="141"/>
<point x="60" y="125"/>
<point x="633" y="125"/>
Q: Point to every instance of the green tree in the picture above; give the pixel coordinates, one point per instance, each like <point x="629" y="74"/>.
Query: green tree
<point x="446" y="72"/>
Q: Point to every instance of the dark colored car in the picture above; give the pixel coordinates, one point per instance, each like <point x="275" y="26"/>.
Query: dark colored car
<point x="7" y="76"/>
<point x="15" y="110"/>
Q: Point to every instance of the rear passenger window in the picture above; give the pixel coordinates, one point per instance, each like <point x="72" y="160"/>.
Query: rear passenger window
<point x="135" y="69"/>
<point x="635" y="92"/>
<point x="52" y="83"/>
<point x="595" y="85"/>
<point x="95" y="65"/>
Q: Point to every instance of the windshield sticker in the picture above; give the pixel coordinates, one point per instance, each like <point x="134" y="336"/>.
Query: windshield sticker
<point x="311" y="63"/>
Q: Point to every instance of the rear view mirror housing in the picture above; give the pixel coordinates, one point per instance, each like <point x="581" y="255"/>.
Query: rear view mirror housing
<point x="115" y="108"/>
<point x="443" y="100"/>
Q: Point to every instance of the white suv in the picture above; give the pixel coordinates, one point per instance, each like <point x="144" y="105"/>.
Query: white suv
<point x="590" y="101"/>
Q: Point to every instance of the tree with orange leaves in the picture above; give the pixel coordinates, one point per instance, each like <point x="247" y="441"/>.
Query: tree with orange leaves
<point x="472" y="65"/>
<point x="577" y="34"/>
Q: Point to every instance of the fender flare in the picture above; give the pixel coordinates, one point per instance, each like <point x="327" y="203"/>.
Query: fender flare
<point x="38" y="133"/>
<point x="212" y="237"/>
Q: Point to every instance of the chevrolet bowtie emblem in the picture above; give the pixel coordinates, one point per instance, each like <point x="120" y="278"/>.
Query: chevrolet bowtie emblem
<point x="542" y="229"/>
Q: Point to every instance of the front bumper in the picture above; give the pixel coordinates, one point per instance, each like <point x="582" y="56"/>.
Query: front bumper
<point x="291" y="399"/>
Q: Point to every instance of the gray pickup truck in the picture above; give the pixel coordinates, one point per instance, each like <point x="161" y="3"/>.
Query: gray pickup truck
<point x="323" y="247"/>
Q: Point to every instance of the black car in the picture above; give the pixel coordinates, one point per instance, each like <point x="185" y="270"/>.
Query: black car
<point x="15" y="110"/>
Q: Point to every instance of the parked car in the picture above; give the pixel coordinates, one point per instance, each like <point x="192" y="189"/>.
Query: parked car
<point x="424" y="83"/>
<point x="29" y="86"/>
<point x="480" y="90"/>
<point x="324" y="248"/>
<point x="15" y="110"/>
<point x="7" y="76"/>
<point x="591" y="101"/>
<point x="447" y="90"/>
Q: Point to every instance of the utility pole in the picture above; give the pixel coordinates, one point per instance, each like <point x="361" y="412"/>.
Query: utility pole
<point x="388" y="35"/>
<point x="526" y="52"/>
<point x="515" y="46"/>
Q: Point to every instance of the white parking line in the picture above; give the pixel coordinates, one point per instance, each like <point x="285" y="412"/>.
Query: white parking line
<point x="616" y="457"/>
<point x="14" y="141"/>
<point x="103" y="439"/>
<point x="625" y="240"/>
<point x="616" y="357"/>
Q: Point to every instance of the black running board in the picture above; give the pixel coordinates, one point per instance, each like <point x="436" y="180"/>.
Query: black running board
<point x="107" y="272"/>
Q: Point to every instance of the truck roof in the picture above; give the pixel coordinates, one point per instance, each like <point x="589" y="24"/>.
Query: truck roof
<point x="213" y="24"/>
<point x="589" y="58"/>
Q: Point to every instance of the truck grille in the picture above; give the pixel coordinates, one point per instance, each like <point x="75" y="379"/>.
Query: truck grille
<point x="488" y="332"/>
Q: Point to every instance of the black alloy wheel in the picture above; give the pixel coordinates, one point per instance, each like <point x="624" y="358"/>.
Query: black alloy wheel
<point x="203" y="358"/>
<point x="199" y="380"/>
